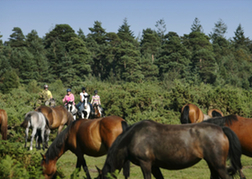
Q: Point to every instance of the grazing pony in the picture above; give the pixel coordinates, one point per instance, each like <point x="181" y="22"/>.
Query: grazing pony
<point x="3" y="123"/>
<point x="36" y="121"/>
<point x="84" y="136"/>
<point x="190" y="113"/>
<point x="214" y="113"/>
<point x="151" y="146"/>
<point x="57" y="116"/>
<point x="72" y="109"/>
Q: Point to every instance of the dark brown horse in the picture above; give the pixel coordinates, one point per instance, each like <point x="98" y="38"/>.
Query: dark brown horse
<point x="151" y="145"/>
<point x="3" y="123"/>
<point x="57" y="116"/>
<point x="214" y="113"/>
<point x="190" y="113"/>
<point x="92" y="137"/>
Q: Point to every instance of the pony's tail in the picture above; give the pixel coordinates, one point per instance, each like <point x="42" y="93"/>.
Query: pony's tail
<point x="185" y="115"/>
<point x="126" y="165"/>
<point x="4" y="127"/>
<point x="234" y="152"/>
<point x="25" y="123"/>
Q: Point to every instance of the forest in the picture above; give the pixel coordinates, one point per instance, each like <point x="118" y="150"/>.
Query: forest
<point x="146" y="77"/>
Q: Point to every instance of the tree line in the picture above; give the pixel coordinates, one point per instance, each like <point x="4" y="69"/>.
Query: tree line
<point x="156" y="56"/>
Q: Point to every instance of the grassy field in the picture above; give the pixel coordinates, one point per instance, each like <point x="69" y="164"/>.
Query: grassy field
<point x="66" y="164"/>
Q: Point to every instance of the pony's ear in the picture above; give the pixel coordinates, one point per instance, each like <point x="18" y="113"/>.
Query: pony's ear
<point x="99" y="170"/>
<point x="43" y="156"/>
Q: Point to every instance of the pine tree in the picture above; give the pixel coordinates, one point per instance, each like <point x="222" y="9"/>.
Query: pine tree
<point x="150" y="43"/>
<point x="125" y="33"/>
<point x="196" y="26"/>
<point x="17" y="38"/>
<point x="36" y="48"/>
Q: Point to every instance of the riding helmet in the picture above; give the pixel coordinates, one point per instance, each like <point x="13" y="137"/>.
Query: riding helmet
<point x="45" y="86"/>
<point x="83" y="88"/>
<point x="95" y="91"/>
<point x="68" y="90"/>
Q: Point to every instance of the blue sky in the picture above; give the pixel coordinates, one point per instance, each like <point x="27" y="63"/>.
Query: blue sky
<point x="43" y="15"/>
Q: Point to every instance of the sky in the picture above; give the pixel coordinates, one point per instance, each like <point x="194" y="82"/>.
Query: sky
<point x="178" y="15"/>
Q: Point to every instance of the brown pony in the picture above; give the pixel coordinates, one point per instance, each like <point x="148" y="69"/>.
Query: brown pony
<point x="3" y="123"/>
<point x="214" y="113"/>
<point x="97" y="111"/>
<point x="190" y="113"/>
<point x="92" y="137"/>
<point x="57" y="116"/>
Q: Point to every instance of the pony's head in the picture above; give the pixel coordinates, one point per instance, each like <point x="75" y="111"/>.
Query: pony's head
<point x="70" y="106"/>
<point x="49" y="167"/>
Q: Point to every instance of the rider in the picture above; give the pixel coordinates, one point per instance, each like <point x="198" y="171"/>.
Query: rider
<point x="68" y="97"/>
<point x="46" y="95"/>
<point x="83" y="95"/>
<point x="95" y="100"/>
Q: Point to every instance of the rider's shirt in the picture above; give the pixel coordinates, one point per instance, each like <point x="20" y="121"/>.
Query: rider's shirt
<point x="69" y="98"/>
<point x="96" y="99"/>
<point x="83" y="95"/>
<point x="48" y="94"/>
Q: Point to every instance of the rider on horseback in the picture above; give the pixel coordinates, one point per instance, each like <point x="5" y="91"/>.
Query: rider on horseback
<point x="83" y="95"/>
<point x="96" y="100"/>
<point x="68" y="97"/>
<point x="45" y="97"/>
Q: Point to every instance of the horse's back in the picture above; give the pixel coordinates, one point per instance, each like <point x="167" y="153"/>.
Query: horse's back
<point x="95" y="136"/>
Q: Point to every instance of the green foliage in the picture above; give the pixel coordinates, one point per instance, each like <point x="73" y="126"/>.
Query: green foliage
<point x="17" y="162"/>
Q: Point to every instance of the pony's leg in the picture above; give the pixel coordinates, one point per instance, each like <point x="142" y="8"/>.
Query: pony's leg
<point x="242" y="176"/>
<point x="43" y="138"/>
<point x="34" y="130"/>
<point x="218" y="172"/>
<point x="26" y="135"/>
<point x="156" y="172"/>
<point x="146" y="169"/>
<point x="82" y="162"/>
<point x="60" y="129"/>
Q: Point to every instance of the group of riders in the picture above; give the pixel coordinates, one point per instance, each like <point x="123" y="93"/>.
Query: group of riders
<point x="69" y="97"/>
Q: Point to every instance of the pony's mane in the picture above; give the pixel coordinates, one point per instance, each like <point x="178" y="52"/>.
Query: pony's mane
<point x="58" y="143"/>
<point x="221" y="121"/>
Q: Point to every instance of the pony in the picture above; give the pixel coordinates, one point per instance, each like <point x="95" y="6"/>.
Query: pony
<point x="85" y="109"/>
<point x="3" y="123"/>
<point x="35" y="120"/>
<point x="84" y="136"/>
<point x="214" y="113"/>
<point x="57" y="116"/>
<point x="151" y="146"/>
<point x="190" y="113"/>
<point x="98" y="111"/>
<point x="72" y="109"/>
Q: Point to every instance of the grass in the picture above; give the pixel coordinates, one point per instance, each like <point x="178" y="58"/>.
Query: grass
<point x="67" y="162"/>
